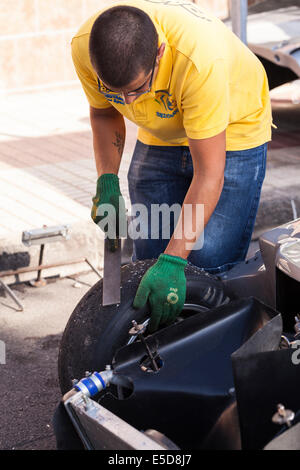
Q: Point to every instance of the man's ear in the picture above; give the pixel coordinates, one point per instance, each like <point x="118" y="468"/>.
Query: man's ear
<point x="160" y="51"/>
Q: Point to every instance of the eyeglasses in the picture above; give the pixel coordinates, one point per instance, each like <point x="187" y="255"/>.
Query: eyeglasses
<point x="106" y="91"/>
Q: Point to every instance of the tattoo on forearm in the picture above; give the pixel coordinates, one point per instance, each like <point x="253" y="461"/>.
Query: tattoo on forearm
<point x="119" y="143"/>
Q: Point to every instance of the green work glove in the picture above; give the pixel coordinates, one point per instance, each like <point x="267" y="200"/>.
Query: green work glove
<point x="108" y="192"/>
<point x="164" y="284"/>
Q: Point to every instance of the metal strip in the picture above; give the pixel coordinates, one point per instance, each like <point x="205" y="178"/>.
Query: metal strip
<point x="111" y="275"/>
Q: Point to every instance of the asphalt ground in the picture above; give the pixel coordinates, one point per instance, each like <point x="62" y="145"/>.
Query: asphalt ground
<point x="29" y="386"/>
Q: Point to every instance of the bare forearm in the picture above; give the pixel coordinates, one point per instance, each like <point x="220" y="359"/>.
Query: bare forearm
<point x="190" y="225"/>
<point x="108" y="140"/>
<point x="209" y="156"/>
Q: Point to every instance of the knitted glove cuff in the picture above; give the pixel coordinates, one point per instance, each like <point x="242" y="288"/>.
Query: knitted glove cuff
<point x="108" y="183"/>
<point x="176" y="260"/>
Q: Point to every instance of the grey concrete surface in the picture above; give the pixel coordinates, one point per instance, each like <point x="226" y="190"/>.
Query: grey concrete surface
<point x="29" y="387"/>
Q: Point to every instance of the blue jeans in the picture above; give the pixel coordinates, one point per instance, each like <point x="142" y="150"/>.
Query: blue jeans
<point x="160" y="175"/>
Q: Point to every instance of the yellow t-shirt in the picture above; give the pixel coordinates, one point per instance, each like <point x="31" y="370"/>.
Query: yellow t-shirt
<point x="207" y="81"/>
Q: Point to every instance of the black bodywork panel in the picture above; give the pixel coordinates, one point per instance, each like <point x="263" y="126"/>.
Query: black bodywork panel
<point x="194" y="389"/>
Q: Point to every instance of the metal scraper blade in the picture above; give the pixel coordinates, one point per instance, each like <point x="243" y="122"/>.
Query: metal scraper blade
<point x="111" y="274"/>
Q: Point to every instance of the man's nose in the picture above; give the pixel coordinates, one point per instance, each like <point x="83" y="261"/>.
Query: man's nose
<point x="128" y="99"/>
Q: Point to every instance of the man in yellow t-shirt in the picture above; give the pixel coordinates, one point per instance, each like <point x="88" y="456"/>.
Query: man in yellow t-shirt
<point x="201" y="101"/>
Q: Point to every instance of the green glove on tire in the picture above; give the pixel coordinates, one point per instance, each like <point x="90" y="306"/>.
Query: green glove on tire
<point x="164" y="285"/>
<point x="108" y="192"/>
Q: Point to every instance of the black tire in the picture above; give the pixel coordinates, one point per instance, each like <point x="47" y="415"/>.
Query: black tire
<point x="94" y="333"/>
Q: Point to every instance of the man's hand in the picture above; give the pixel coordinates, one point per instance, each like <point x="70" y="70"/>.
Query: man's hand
<point x="108" y="192"/>
<point x="164" y="284"/>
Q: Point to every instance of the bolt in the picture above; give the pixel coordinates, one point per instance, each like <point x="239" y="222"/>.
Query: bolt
<point x="136" y="329"/>
<point x="283" y="416"/>
<point x="86" y="401"/>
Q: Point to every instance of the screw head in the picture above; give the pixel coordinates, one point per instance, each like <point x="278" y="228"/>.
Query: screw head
<point x="283" y="416"/>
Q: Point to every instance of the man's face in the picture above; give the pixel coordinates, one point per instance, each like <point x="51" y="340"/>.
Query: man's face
<point x="142" y="83"/>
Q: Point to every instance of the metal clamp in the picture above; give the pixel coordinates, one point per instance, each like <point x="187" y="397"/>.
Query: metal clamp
<point x="94" y="383"/>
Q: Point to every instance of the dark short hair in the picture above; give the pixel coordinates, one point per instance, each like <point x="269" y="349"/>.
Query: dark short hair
<point x="123" y="43"/>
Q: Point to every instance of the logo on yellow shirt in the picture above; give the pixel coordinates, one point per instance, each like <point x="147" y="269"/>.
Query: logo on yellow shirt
<point x="114" y="98"/>
<point x="165" y="100"/>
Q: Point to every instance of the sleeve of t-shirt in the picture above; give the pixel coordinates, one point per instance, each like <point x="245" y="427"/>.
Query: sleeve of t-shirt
<point x="205" y="101"/>
<point x="88" y="81"/>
